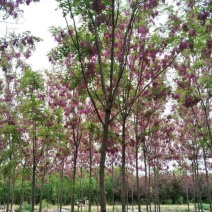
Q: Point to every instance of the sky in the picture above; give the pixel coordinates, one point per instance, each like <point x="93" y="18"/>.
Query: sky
<point x="37" y="18"/>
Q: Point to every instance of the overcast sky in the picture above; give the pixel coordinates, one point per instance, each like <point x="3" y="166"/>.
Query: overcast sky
<point x="38" y="18"/>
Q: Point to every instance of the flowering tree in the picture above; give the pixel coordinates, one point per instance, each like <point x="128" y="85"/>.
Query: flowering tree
<point x="116" y="41"/>
<point x="14" y="50"/>
<point x="11" y="8"/>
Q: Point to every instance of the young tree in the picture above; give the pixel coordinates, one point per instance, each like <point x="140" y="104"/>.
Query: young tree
<point x="103" y="47"/>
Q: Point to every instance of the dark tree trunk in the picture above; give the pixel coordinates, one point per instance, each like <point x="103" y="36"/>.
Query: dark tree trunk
<point x="146" y="182"/>
<point x="33" y="189"/>
<point x="73" y="180"/>
<point x="137" y="180"/>
<point x="8" y="193"/>
<point x="207" y="179"/>
<point x="41" y="194"/>
<point x="60" y="197"/>
<point x="90" y="173"/>
<point x="102" y="162"/>
<point x="123" y="181"/>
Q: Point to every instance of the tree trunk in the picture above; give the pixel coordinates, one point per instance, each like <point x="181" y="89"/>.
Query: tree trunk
<point x="113" y="187"/>
<point x="8" y="193"/>
<point x="13" y="191"/>
<point x="33" y="188"/>
<point x="97" y="194"/>
<point x="22" y="189"/>
<point x="146" y="183"/>
<point x="123" y="181"/>
<point x="33" y="167"/>
<point x="60" y="198"/>
<point x="187" y="196"/>
<point x="41" y="194"/>
<point x="157" y="200"/>
<point x="150" y="191"/>
<point x="137" y="180"/>
<point x="73" y="180"/>
<point x="207" y="179"/>
<point x="90" y="173"/>
<point x="81" y="186"/>
<point x="102" y="162"/>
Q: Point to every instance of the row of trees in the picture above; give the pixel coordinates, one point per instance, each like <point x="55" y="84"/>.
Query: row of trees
<point x="174" y="188"/>
<point x="125" y="90"/>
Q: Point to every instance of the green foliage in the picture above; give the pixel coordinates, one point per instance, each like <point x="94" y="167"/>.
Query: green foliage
<point x="207" y="82"/>
<point x="31" y="80"/>
<point x="206" y="207"/>
<point x="168" y="201"/>
<point x="44" y="203"/>
<point x="180" y="200"/>
<point x="25" y="207"/>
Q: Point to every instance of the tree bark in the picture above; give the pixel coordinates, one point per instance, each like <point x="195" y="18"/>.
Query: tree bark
<point x="33" y="188"/>
<point x="102" y="162"/>
<point x="90" y="173"/>
<point x="137" y="180"/>
<point x="73" y="180"/>
<point x="207" y="179"/>
<point x="41" y="194"/>
<point x="123" y="181"/>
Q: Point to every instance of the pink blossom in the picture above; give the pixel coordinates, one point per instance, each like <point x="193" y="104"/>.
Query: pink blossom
<point x="202" y="16"/>
<point x="98" y="6"/>
<point x="153" y="3"/>
<point x="183" y="45"/>
<point x="28" y="54"/>
<point x="185" y="27"/>
<point x="143" y="30"/>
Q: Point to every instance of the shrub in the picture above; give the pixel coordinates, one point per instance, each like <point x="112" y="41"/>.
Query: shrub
<point x="168" y="201"/>
<point x="180" y="200"/>
<point x="206" y="207"/>
<point x="25" y="207"/>
<point x="44" y="204"/>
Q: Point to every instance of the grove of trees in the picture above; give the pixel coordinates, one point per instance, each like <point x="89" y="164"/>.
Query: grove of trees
<point x="122" y="116"/>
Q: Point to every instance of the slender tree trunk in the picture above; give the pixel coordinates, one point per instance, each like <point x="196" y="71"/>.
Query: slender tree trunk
<point x="127" y="196"/>
<point x="22" y="189"/>
<point x="13" y="191"/>
<point x="157" y="200"/>
<point x="102" y="162"/>
<point x="73" y="180"/>
<point x="81" y="187"/>
<point x="60" y="198"/>
<point x="199" y="196"/>
<point x="8" y="193"/>
<point x="33" y="167"/>
<point x="150" y="192"/>
<point x="137" y="179"/>
<point x="132" y="199"/>
<point x="90" y="174"/>
<point x="113" y="187"/>
<point x="123" y="181"/>
<point x="194" y="183"/>
<point x="207" y="179"/>
<point x="97" y="194"/>
<point x="41" y="194"/>
<point x="8" y="199"/>
<point x="187" y="196"/>
<point x="146" y="182"/>
<point x="33" y="188"/>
